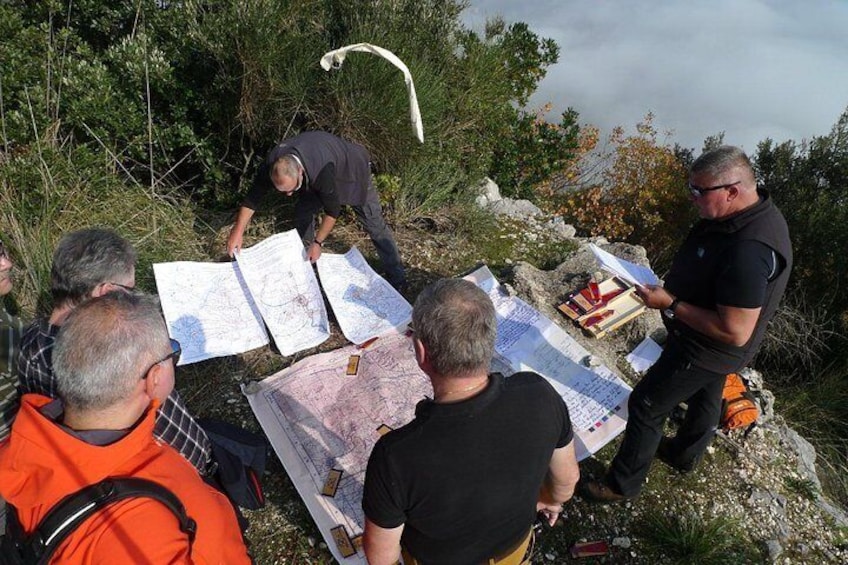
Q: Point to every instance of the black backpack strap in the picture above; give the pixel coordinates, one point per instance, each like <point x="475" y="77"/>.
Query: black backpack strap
<point x="75" y="508"/>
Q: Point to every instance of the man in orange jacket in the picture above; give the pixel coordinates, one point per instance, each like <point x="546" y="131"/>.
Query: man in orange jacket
<point x="114" y="364"/>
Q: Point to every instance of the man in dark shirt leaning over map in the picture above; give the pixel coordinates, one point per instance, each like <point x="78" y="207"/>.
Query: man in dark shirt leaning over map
<point x="463" y="481"/>
<point x="325" y="172"/>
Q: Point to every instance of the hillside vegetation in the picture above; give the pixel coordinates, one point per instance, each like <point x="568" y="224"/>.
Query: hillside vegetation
<point x="151" y="117"/>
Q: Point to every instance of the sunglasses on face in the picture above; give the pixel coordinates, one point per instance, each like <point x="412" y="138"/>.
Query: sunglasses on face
<point x="176" y="351"/>
<point x="699" y="191"/>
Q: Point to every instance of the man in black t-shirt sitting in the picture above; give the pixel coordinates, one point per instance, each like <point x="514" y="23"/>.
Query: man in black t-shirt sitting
<point x="463" y="481"/>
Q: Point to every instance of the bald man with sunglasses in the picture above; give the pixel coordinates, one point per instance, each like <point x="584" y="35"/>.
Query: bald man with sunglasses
<point x="724" y="286"/>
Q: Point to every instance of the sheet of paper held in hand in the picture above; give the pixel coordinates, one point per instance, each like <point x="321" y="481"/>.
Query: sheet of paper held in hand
<point x="283" y="285"/>
<point x="212" y="311"/>
<point x="528" y="341"/>
<point x="364" y="303"/>
<point x="323" y="423"/>
<point x="630" y="272"/>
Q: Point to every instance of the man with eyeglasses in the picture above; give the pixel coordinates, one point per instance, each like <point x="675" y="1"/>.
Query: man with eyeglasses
<point x="325" y="172"/>
<point x="89" y="263"/>
<point x="113" y="366"/>
<point x="724" y="286"/>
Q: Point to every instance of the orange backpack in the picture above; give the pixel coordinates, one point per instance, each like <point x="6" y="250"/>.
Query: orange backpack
<point x="739" y="406"/>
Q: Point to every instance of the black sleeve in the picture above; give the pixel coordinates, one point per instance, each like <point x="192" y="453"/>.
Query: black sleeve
<point x="746" y="272"/>
<point x="381" y="497"/>
<point x="261" y="187"/>
<point x="567" y="433"/>
<point x="324" y="186"/>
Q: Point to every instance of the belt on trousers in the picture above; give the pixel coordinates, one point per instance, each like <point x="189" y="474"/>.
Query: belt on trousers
<point x="519" y="554"/>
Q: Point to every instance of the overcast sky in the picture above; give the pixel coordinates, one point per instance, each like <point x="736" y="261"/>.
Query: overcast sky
<point x="750" y="68"/>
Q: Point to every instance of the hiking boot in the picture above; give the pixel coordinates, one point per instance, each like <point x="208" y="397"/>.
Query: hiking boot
<point x="599" y="491"/>
<point x="665" y="453"/>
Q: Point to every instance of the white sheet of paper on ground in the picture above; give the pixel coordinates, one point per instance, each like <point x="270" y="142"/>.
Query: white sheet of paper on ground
<point x="645" y="355"/>
<point x="318" y="418"/>
<point x="528" y="341"/>
<point x="630" y="272"/>
<point x="208" y="309"/>
<point x="364" y="303"/>
<point x="283" y="285"/>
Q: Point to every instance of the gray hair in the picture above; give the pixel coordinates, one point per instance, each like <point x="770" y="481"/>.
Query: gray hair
<point x="285" y="166"/>
<point x="455" y="321"/>
<point x="104" y="348"/>
<point x="86" y="258"/>
<point x="718" y="161"/>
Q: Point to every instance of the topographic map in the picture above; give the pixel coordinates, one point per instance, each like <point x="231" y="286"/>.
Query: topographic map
<point x="286" y="292"/>
<point x="218" y="309"/>
<point x="208" y="309"/>
<point x="364" y="303"/>
<point x="318" y="419"/>
<point x="323" y="421"/>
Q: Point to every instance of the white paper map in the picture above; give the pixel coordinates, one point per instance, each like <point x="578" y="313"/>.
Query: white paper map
<point x="283" y="285"/>
<point x="528" y="341"/>
<point x="319" y="419"/>
<point x="364" y="303"/>
<point x="218" y="309"/>
<point x="208" y="309"/>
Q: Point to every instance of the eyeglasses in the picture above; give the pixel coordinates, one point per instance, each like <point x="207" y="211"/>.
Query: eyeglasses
<point x="176" y="351"/>
<point x="698" y="191"/>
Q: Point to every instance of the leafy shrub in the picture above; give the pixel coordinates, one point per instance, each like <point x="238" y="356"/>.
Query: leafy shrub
<point x="638" y="194"/>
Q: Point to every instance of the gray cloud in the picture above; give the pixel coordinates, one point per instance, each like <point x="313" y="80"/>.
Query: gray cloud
<point x="751" y="68"/>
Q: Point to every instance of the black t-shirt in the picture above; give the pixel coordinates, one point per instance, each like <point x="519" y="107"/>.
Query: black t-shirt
<point x="743" y="279"/>
<point x="464" y="478"/>
<point x="321" y="188"/>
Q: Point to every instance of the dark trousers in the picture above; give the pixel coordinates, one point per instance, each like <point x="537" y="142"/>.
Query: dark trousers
<point x="670" y="381"/>
<point x="370" y="217"/>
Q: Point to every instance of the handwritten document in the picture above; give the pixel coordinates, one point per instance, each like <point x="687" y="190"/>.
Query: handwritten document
<point x="364" y="303"/>
<point x="528" y="341"/>
<point x="630" y="272"/>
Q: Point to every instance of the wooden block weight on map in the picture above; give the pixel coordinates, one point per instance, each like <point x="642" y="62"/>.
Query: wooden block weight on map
<point x="618" y="304"/>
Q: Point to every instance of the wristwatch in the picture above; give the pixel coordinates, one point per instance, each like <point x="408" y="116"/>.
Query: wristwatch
<point x="669" y="312"/>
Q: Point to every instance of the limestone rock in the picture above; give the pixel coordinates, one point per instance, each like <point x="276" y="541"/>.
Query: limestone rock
<point x="488" y="192"/>
<point x="515" y="209"/>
